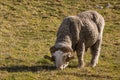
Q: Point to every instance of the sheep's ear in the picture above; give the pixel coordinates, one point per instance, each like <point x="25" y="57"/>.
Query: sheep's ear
<point x="66" y="49"/>
<point x="69" y="58"/>
<point x="52" y="49"/>
<point x="49" y="58"/>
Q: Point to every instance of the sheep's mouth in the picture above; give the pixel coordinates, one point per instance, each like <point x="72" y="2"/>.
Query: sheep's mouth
<point x="63" y="66"/>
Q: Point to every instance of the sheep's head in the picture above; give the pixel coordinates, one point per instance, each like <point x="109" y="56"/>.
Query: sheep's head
<point x="60" y="57"/>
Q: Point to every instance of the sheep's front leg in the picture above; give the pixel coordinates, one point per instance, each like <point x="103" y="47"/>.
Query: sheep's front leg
<point x="95" y="51"/>
<point x="80" y="54"/>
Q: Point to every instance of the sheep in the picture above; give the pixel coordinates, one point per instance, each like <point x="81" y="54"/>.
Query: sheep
<point x="77" y="34"/>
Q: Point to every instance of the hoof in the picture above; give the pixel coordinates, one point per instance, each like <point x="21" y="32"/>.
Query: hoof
<point x="81" y="66"/>
<point x="92" y="65"/>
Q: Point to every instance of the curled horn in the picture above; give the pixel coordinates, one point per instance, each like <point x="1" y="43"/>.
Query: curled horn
<point x="66" y="49"/>
<point x="70" y="58"/>
<point x="49" y="58"/>
<point x="53" y="49"/>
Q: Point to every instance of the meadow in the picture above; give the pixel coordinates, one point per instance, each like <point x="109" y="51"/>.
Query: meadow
<point x="28" y="29"/>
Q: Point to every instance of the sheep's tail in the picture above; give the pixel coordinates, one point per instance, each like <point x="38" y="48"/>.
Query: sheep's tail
<point x="99" y="20"/>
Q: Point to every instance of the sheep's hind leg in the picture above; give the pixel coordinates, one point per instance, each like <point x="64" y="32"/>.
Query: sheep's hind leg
<point x="95" y="52"/>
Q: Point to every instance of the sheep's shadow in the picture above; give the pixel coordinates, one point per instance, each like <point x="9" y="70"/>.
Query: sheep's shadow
<point x="27" y="68"/>
<point x="23" y="68"/>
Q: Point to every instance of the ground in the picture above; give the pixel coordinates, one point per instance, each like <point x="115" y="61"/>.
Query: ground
<point x="28" y="29"/>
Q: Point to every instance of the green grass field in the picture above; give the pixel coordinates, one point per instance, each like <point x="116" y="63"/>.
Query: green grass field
<point x="28" y="29"/>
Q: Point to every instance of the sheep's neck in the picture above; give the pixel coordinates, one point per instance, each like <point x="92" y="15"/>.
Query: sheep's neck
<point x="64" y="40"/>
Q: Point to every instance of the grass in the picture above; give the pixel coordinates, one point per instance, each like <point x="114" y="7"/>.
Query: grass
<point x="28" y="30"/>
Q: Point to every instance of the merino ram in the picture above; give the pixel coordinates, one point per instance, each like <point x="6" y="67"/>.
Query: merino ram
<point x="78" y="33"/>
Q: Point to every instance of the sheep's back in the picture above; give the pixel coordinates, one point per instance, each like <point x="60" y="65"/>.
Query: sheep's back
<point x="90" y="31"/>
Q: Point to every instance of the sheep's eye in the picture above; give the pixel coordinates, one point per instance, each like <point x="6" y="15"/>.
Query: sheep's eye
<point x="53" y="58"/>
<point x="64" y="57"/>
